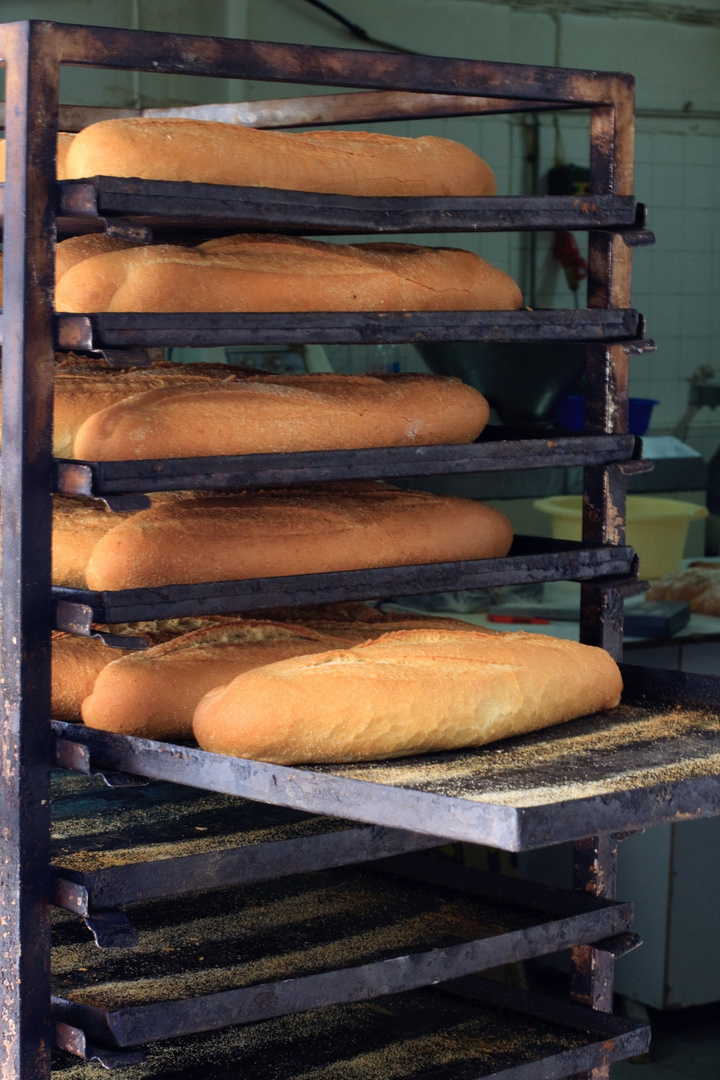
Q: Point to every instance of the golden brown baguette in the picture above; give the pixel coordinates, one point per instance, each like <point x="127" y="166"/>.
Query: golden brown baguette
<point x="82" y="389"/>
<point x="276" y="414"/>
<point x="346" y="162"/>
<point x="201" y="538"/>
<point x="76" y="249"/>
<point x="406" y="693"/>
<point x="279" y="273"/>
<point x="153" y="693"/>
<point x="77" y="661"/>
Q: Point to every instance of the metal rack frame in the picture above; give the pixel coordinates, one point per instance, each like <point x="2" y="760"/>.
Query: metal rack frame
<point x="35" y="206"/>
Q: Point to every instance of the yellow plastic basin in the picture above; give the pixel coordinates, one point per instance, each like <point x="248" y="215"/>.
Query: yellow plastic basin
<point x="656" y="528"/>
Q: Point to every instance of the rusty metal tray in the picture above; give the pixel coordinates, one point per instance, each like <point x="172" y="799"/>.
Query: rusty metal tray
<point x="97" y="478"/>
<point x="531" y="559"/>
<point x="654" y="759"/>
<point x="252" y="952"/>
<point x="171" y="206"/>
<point x="119" y="845"/>
<point x="469" y="1029"/>
<point x="127" y="330"/>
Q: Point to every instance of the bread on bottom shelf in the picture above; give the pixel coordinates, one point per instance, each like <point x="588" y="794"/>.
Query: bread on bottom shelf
<point x="153" y="693"/>
<point x="257" y="273"/>
<point x="190" y="538"/>
<point x="281" y="414"/>
<point x="405" y="693"/>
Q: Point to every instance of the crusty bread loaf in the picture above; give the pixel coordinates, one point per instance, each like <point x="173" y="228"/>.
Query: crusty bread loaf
<point x="83" y="388"/>
<point x="405" y="693"/>
<point x="77" y="661"/>
<point x="698" y="586"/>
<point x="153" y="693"/>
<point x="76" y="249"/>
<point x="64" y="141"/>
<point x="346" y="162"/>
<point x="275" y="414"/>
<point x="261" y="273"/>
<point x="277" y="533"/>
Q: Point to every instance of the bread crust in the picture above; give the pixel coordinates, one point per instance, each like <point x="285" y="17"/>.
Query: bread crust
<point x="153" y="693"/>
<point x="405" y="693"/>
<point x="346" y="162"/>
<point x="253" y="272"/>
<point x="278" y="414"/>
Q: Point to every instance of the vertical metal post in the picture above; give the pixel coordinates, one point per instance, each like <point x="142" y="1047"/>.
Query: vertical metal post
<point x="595" y="872"/>
<point x="32" y="95"/>
<point x="609" y="269"/>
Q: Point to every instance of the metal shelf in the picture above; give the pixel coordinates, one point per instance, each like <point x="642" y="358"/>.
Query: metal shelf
<point x="98" y="478"/>
<point x="241" y="954"/>
<point x="468" y="1030"/>
<point x="127" y="330"/>
<point x="96" y="202"/>
<point x="641" y="764"/>
<point x="531" y="559"/>
<point x="119" y="845"/>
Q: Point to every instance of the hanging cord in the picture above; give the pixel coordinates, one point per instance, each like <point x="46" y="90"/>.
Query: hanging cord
<point x="358" y="31"/>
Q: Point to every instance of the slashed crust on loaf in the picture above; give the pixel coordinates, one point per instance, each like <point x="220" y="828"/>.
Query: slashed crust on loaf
<point x="207" y="537"/>
<point x="406" y="693"/>
<point x="77" y="661"/>
<point x="346" y="162"/>
<point x="253" y="272"/>
<point x="288" y="413"/>
<point x="153" y="693"/>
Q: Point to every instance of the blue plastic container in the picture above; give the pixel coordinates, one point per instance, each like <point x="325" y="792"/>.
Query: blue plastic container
<point x="571" y="413"/>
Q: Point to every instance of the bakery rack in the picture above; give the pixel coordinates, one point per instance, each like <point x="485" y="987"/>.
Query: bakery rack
<point x="597" y="778"/>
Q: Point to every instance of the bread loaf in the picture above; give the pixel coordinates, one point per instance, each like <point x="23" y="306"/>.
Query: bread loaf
<point x="76" y="249"/>
<point x="698" y="586"/>
<point x="153" y="693"/>
<point x="406" y="693"/>
<point x="277" y="533"/>
<point x="82" y="389"/>
<point x="280" y="273"/>
<point x="77" y="661"/>
<point x="346" y="162"/>
<point x="276" y="414"/>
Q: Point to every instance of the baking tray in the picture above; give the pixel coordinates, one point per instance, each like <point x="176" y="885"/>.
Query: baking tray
<point x="172" y="206"/>
<point x="97" y="478"/>
<point x="118" y="845"/>
<point x="654" y="759"/>
<point x="469" y="1029"/>
<point x="532" y="559"/>
<point x="241" y="954"/>
<point x="127" y="330"/>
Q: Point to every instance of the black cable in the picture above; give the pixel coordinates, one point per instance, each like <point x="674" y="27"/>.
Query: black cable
<point x="358" y="31"/>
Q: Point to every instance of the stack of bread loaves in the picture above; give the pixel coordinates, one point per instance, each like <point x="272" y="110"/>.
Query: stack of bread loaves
<point x="337" y="684"/>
